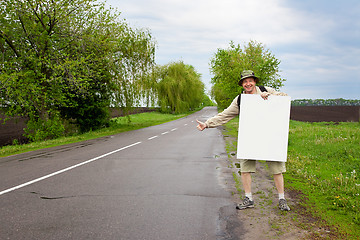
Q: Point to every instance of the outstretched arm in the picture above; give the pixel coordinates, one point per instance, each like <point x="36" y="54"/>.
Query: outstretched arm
<point x="221" y="118"/>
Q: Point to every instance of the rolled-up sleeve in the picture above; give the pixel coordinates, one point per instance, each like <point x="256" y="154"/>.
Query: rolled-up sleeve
<point x="225" y="116"/>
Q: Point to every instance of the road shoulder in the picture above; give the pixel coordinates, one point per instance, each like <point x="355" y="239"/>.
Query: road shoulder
<point x="265" y="220"/>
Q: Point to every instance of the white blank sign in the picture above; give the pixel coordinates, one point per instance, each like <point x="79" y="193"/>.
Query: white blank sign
<point x="263" y="127"/>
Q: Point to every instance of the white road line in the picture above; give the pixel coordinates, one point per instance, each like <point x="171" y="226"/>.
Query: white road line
<point x="152" y="137"/>
<point x="174" y="129"/>
<point x="65" y="169"/>
<point x="164" y="133"/>
<point x="185" y="124"/>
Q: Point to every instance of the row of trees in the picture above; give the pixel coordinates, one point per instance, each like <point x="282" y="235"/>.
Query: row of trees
<point x="66" y="62"/>
<point x="325" y="102"/>
<point x="227" y="65"/>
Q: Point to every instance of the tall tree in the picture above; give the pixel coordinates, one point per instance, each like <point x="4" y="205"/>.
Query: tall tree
<point x="179" y="88"/>
<point x="227" y="65"/>
<point x="133" y="62"/>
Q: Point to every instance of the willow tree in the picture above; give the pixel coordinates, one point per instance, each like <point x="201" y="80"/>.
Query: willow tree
<point x="227" y="65"/>
<point x="133" y="61"/>
<point x="179" y="88"/>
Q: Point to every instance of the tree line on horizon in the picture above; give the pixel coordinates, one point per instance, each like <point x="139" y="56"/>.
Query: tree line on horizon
<point x="65" y="63"/>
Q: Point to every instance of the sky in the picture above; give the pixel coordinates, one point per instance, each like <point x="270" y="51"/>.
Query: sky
<point x="317" y="41"/>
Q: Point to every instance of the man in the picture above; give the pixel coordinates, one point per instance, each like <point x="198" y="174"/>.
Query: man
<point x="248" y="81"/>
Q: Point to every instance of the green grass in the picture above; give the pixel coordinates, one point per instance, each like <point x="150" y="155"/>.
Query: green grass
<point x="117" y="125"/>
<point x="323" y="164"/>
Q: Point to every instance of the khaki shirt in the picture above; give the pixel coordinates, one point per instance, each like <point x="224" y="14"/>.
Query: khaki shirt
<point x="233" y="110"/>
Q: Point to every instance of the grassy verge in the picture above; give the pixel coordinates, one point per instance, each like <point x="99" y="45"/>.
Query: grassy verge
<point x="324" y="163"/>
<point x="117" y="125"/>
<point x="323" y="166"/>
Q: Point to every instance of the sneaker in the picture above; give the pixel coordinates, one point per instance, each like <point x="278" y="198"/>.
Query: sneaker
<point x="245" y="204"/>
<point x="283" y="205"/>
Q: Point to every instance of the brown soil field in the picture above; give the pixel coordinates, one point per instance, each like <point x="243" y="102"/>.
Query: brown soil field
<point x="325" y="113"/>
<point x="13" y="129"/>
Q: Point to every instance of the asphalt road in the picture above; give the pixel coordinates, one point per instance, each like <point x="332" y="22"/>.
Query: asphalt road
<point x="162" y="182"/>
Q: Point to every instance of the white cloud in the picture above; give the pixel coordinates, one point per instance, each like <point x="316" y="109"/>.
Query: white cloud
<point x="307" y="41"/>
<point x="213" y="21"/>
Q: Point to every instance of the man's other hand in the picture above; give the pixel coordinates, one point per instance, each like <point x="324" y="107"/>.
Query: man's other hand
<point x="265" y="95"/>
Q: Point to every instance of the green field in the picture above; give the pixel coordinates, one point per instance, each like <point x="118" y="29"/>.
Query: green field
<point x="323" y="166"/>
